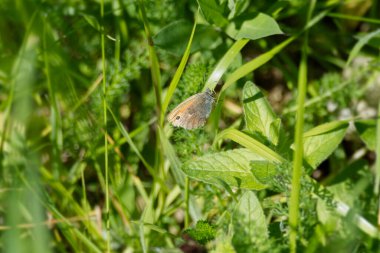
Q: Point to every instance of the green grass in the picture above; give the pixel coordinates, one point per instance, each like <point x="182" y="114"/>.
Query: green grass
<point x="287" y="159"/>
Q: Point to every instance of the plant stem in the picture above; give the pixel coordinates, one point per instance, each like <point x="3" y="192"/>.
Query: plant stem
<point x="298" y="153"/>
<point x="187" y="201"/>
<point x="105" y="129"/>
<point x="377" y="165"/>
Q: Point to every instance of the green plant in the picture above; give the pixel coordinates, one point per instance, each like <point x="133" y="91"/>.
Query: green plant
<point x="90" y="164"/>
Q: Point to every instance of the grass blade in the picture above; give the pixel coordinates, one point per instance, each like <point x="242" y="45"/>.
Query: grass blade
<point x="377" y="165"/>
<point x="255" y="63"/>
<point x="250" y="143"/>
<point x="224" y="63"/>
<point x="173" y="84"/>
<point x="358" y="46"/>
<point x="154" y="64"/>
<point x="135" y="149"/>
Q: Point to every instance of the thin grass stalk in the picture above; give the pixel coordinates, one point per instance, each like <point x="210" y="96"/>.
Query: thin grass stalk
<point x="156" y="79"/>
<point x="55" y="119"/>
<point x="85" y="205"/>
<point x="187" y="202"/>
<point x="224" y="63"/>
<point x="16" y="68"/>
<point x="155" y="67"/>
<point x="356" y="18"/>
<point x="173" y="84"/>
<point x="105" y="129"/>
<point x="298" y="153"/>
<point x="377" y="165"/>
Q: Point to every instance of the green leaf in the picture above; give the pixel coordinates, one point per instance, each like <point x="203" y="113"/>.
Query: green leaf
<point x="175" y="37"/>
<point x="237" y="7"/>
<point x="264" y="58"/>
<point x="206" y="38"/>
<point x="362" y="41"/>
<point x="92" y="21"/>
<point x="224" y="63"/>
<point x="249" y="223"/>
<point x="253" y="27"/>
<point x="263" y="170"/>
<point x="213" y="12"/>
<point x="322" y="140"/>
<point x="252" y="144"/>
<point x="174" y="82"/>
<point x="367" y="132"/>
<point x="259" y="116"/>
<point x="230" y="167"/>
<point x="254" y="64"/>
<point x="175" y="163"/>
<point x="224" y="245"/>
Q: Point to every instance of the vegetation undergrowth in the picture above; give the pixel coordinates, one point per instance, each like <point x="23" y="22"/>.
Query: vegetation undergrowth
<point x="285" y="163"/>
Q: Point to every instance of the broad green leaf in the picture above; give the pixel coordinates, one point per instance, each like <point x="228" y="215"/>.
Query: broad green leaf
<point x="249" y="223"/>
<point x="322" y="140"/>
<point x="259" y="116"/>
<point x="213" y="12"/>
<point x="253" y="27"/>
<point x="263" y="170"/>
<point x="367" y="132"/>
<point x="362" y="41"/>
<point x="230" y="167"/>
<point x="175" y="37"/>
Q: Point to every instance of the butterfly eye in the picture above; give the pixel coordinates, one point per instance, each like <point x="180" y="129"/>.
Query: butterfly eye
<point x="177" y="118"/>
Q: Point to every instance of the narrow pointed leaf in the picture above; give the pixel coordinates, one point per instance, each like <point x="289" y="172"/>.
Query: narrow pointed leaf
<point x="362" y="41"/>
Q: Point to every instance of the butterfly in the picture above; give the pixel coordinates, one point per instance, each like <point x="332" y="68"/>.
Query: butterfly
<point x="193" y="112"/>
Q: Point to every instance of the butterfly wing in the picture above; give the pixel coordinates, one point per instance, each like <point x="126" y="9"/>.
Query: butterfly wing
<point x="180" y="109"/>
<point x="190" y="120"/>
<point x="193" y="112"/>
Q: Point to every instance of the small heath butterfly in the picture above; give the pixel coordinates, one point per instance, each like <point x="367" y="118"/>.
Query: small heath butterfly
<point x="193" y="112"/>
